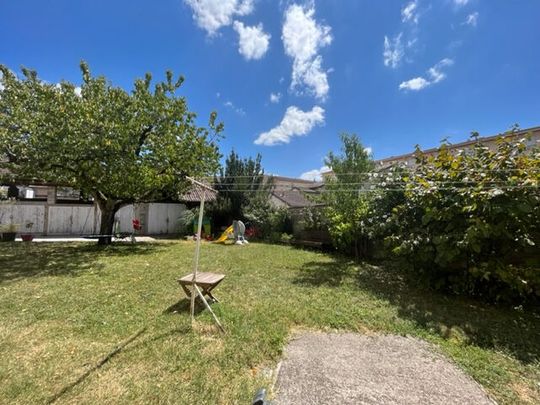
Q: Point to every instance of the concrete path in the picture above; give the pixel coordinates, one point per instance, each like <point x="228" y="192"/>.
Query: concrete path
<point x="321" y="368"/>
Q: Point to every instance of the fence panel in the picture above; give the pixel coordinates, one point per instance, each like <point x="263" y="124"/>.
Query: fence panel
<point x="22" y="214"/>
<point x="84" y="219"/>
<point x="163" y="218"/>
<point x="125" y="217"/>
<point x="75" y="220"/>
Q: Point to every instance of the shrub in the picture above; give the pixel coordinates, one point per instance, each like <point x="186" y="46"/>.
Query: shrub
<point x="469" y="221"/>
<point x="186" y="220"/>
<point x="347" y="206"/>
<point x="314" y="219"/>
<point x="258" y="214"/>
<point x="286" y="238"/>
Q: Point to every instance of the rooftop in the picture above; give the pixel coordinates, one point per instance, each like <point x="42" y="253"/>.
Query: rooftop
<point x="521" y="132"/>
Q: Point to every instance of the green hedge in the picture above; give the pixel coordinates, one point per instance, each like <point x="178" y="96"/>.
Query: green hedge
<point x="469" y="221"/>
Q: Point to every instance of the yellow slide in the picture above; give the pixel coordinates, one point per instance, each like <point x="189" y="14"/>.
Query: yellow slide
<point x="225" y="235"/>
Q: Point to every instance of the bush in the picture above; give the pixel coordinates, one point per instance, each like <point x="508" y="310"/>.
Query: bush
<point x="348" y="227"/>
<point x="267" y="219"/>
<point x="186" y="220"/>
<point x="347" y="207"/>
<point x="469" y="222"/>
<point x="314" y="219"/>
<point x="286" y="238"/>
<point x="281" y="221"/>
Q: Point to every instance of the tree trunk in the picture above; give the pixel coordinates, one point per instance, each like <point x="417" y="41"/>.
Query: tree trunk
<point x="108" y="210"/>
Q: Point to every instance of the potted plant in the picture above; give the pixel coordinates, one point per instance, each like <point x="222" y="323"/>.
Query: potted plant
<point x="27" y="236"/>
<point x="8" y="232"/>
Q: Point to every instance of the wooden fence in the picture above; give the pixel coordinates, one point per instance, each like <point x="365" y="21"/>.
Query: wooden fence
<point x="75" y="219"/>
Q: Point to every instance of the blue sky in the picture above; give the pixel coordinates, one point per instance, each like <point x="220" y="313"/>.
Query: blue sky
<point x="397" y="73"/>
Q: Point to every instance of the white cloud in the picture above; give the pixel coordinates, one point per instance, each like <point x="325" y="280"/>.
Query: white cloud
<point x="211" y="15"/>
<point x="303" y="38"/>
<point x="275" y="97"/>
<point x="294" y="123"/>
<point x="418" y="83"/>
<point x="393" y="51"/>
<point x="435" y="75"/>
<point x="253" y="41"/>
<point x="78" y="91"/>
<point x="409" y="13"/>
<point x="369" y="150"/>
<point x="460" y="3"/>
<point x="472" y="19"/>
<point x="233" y="107"/>
<point x="315" y="174"/>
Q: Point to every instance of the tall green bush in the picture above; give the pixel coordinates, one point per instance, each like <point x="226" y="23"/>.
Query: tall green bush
<point x="470" y="221"/>
<point x="268" y="219"/>
<point x="347" y="203"/>
<point x="240" y="183"/>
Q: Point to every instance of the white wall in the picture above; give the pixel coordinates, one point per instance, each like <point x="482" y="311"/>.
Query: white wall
<point x="72" y="220"/>
<point x="125" y="216"/>
<point x="83" y="219"/>
<point x="163" y="218"/>
<point x="23" y="214"/>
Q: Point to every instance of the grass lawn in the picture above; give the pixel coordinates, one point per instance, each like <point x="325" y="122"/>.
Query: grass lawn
<point x="65" y="306"/>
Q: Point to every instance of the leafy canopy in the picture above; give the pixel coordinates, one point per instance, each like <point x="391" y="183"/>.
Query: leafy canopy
<point x="470" y="220"/>
<point x="346" y="204"/>
<point x="115" y="145"/>
<point x="240" y="183"/>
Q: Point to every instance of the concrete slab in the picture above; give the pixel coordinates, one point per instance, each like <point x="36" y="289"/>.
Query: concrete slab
<point x="348" y="368"/>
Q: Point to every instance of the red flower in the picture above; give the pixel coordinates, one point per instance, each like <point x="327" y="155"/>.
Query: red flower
<point x="252" y="232"/>
<point x="136" y="224"/>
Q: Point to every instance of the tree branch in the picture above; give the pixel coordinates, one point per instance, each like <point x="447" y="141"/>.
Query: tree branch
<point x="142" y="138"/>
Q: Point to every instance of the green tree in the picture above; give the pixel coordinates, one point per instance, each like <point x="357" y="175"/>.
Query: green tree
<point x="119" y="147"/>
<point x="241" y="183"/>
<point x="347" y="203"/>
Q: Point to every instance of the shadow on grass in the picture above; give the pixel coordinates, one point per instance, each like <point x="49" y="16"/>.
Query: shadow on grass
<point x="451" y="317"/>
<point x="331" y="274"/>
<point x="184" y="306"/>
<point x="26" y="260"/>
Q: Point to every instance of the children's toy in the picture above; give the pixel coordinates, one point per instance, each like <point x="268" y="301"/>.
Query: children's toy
<point x="225" y="235"/>
<point x="236" y="231"/>
<point x="239" y="231"/>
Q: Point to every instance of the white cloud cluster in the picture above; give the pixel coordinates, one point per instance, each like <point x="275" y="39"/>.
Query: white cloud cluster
<point x="303" y="38"/>
<point x="315" y="174"/>
<point x="472" y="19"/>
<point x="396" y="47"/>
<point x="460" y="3"/>
<point x="409" y="13"/>
<point x="294" y="123"/>
<point x="253" y="41"/>
<point x="435" y="75"/>
<point x="211" y="15"/>
<point x="233" y="107"/>
<point x="275" y="97"/>
<point x="393" y="51"/>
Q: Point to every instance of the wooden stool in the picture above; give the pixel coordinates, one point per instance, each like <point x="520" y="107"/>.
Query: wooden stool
<point x="205" y="281"/>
